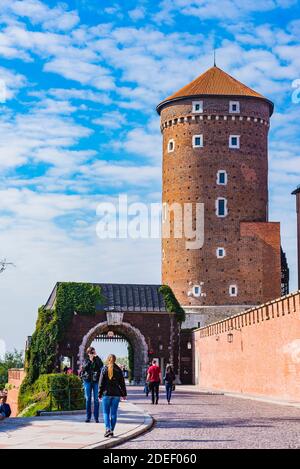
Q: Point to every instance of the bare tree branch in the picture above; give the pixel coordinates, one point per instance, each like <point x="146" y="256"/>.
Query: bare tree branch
<point x="4" y="264"/>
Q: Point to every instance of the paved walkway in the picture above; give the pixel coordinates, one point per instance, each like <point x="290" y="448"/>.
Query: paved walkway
<point x="195" y="420"/>
<point x="70" y="431"/>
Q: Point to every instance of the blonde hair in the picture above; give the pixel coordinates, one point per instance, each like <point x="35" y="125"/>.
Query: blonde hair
<point x="111" y="360"/>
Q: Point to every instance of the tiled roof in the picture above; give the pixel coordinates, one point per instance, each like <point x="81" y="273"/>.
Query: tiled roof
<point x="213" y="82"/>
<point x="126" y="297"/>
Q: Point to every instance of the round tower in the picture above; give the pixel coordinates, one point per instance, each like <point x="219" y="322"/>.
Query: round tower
<point x="215" y="153"/>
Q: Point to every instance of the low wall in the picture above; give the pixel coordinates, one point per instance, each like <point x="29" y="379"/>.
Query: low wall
<point x="256" y="352"/>
<point x="15" y="379"/>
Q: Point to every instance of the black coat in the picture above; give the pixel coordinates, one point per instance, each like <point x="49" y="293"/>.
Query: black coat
<point x="114" y="387"/>
<point x="91" y="370"/>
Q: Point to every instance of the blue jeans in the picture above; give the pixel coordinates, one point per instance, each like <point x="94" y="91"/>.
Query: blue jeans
<point x="110" y="406"/>
<point x="169" y="387"/>
<point x="89" y="389"/>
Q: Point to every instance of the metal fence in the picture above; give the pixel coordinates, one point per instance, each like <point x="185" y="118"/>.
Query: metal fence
<point x="67" y="398"/>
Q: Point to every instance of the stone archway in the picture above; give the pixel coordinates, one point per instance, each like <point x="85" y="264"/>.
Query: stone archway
<point x="134" y="337"/>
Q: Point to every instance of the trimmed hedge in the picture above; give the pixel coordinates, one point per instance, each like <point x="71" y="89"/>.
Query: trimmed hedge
<point x="51" y="392"/>
<point x="172" y="303"/>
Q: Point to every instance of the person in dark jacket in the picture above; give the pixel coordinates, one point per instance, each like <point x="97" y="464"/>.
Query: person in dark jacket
<point x="90" y="374"/>
<point x="112" y="389"/>
<point x="5" y="410"/>
<point x="169" y="382"/>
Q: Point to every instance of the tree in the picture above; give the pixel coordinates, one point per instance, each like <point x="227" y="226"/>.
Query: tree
<point x="11" y="360"/>
<point x="4" y="264"/>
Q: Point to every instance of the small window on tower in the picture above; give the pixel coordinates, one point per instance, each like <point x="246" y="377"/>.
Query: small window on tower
<point x="234" y="141"/>
<point x="196" y="290"/>
<point x="221" y="207"/>
<point x="197" y="141"/>
<point x="222" y="178"/>
<point x="171" y="146"/>
<point x="234" y="106"/>
<point x="221" y="253"/>
<point x="233" y="290"/>
<point x="197" y="107"/>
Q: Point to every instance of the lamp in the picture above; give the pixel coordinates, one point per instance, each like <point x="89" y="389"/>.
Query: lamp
<point x="230" y="337"/>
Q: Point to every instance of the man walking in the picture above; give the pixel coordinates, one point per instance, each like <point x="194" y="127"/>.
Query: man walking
<point x="90" y="374"/>
<point x="154" y="379"/>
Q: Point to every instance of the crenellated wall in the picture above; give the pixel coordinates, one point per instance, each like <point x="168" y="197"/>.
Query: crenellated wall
<point x="256" y="352"/>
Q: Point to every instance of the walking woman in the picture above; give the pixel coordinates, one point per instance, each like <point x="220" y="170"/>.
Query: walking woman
<point x="169" y="382"/>
<point x="112" y="389"/>
<point x="90" y="374"/>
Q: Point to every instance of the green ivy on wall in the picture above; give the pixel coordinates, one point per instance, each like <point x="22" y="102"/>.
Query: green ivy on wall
<point x="172" y="303"/>
<point x="52" y="325"/>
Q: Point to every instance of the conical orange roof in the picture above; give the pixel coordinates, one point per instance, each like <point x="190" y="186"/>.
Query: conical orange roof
<point x="214" y="82"/>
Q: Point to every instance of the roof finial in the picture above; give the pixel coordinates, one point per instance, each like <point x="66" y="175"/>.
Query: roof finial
<point x="214" y="57"/>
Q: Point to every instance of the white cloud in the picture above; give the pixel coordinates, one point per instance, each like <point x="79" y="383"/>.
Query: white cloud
<point x="38" y="13"/>
<point x="27" y="135"/>
<point x="137" y="13"/>
<point x="221" y="10"/>
<point x="83" y="72"/>
<point x="142" y="141"/>
<point x="111" y="120"/>
<point x="122" y="173"/>
<point x="10" y="83"/>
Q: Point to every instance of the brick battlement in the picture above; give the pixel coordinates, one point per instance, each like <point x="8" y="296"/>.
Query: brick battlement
<point x="197" y="119"/>
<point x="273" y="309"/>
<point x="256" y="352"/>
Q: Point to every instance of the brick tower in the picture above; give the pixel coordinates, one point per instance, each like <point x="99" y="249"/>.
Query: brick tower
<point x="215" y="152"/>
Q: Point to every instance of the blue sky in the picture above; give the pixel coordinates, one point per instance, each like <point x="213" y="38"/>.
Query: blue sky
<point x="78" y="127"/>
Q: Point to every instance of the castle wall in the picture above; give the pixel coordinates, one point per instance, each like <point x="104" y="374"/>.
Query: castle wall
<point x="256" y="352"/>
<point x="15" y="379"/>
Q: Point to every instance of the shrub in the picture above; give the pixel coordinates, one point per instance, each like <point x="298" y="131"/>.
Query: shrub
<point x="51" y="392"/>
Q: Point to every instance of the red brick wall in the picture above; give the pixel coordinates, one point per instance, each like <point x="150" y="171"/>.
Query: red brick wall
<point x="263" y="358"/>
<point x="15" y="379"/>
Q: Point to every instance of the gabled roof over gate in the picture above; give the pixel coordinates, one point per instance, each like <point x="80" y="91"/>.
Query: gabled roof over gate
<point x="125" y="297"/>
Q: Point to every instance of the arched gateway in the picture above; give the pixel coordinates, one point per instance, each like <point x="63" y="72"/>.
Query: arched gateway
<point x="129" y="332"/>
<point x="138" y="313"/>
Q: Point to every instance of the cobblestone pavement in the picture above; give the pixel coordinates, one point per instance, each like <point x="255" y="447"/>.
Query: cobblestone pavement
<point x="196" y="420"/>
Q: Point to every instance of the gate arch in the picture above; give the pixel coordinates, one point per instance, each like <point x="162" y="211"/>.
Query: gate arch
<point x="134" y="337"/>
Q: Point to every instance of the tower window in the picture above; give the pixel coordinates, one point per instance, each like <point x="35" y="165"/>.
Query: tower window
<point x="171" y="146"/>
<point x="222" y="177"/>
<point x="220" y="253"/>
<point x="234" y="141"/>
<point x="197" y="141"/>
<point x="221" y="207"/>
<point x="196" y="290"/>
<point x="233" y="290"/>
<point x="234" y="106"/>
<point x="197" y="107"/>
